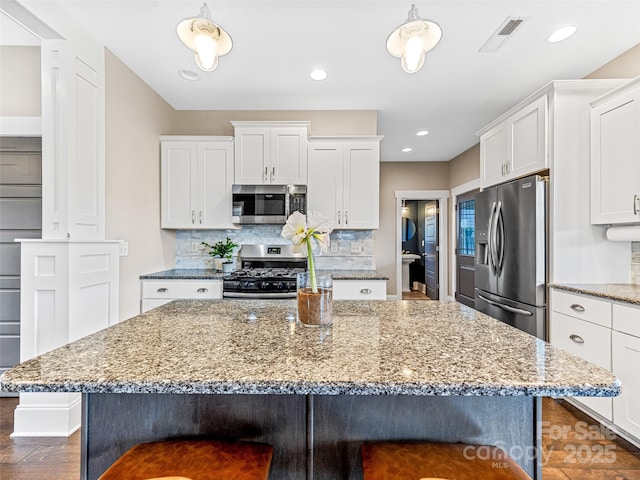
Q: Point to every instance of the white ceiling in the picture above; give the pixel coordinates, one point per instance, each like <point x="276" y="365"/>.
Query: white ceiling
<point x="277" y="44"/>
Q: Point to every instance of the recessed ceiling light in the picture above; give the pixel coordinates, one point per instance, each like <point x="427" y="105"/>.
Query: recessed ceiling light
<point x="318" y="74"/>
<point x="422" y="133"/>
<point x="562" y="33"/>
<point x="407" y="149"/>
<point x="189" y="75"/>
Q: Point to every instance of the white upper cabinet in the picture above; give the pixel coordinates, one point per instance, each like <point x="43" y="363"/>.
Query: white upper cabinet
<point x="515" y="146"/>
<point x="344" y="181"/>
<point x="615" y="155"/>
<point x="196" y="179"/>
<point x="271" y="153"/>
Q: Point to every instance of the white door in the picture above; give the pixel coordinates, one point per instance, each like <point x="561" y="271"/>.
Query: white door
<point x="527" y="139"/>
<point x="324" y="189"/>
<point x="361" y="186"/>
<point x="493" y="155"/>
<point x="178" y="189"/>
<point x="215" y="177"/>
<point x="253" y="149"/>
<point x="288" y="156"/>
<point x="626" y="358"/>
<point x="615" y="159"/>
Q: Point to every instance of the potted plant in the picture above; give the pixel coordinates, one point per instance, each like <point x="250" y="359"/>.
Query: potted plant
<point x="222" y="253"/>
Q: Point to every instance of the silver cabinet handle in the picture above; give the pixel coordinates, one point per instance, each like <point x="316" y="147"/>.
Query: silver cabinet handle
<point x="201" y="216"/>
<point x="635" y="204"/>
<point x="193" y="216"/>
<point x="576" y="338"/>
<point x="339" y="217"/>
<point x="365" y="291"/>
<point x="346" y="217"/>
<point x="202" y="290"/>
<point x="273" y="174"/>
<point x="503" y="169"/>
<point x="577" y="307"/>
<point x="266" y="174"/>
<point x="163" y="290"/>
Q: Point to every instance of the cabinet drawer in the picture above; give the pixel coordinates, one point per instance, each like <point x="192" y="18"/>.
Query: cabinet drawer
<point x="626" y="320"/>
<point x="583" y="307"/>
<point x="151" y="303"/>
<point x="360" y="290"/>
<point x="182" y="289"/>
<point x="586" y="340"/>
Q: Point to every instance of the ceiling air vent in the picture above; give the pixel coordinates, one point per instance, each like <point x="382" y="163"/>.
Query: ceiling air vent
<point x="503" y="33"/>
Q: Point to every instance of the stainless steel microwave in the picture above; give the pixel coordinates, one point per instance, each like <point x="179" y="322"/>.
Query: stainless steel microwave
<point x="267" y="204"/>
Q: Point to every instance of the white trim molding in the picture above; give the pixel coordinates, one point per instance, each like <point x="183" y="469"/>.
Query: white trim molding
<point x="21" y="126"/>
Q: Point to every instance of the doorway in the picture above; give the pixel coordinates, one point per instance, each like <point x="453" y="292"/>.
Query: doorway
<point x="421" y="244"/>
<point x="465" y="248"/>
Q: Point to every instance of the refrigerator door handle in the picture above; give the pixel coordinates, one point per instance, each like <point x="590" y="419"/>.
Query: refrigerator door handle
<point x="507" y="307"/>
<point x="500" y="237"/>
<point x="493" y="224"/>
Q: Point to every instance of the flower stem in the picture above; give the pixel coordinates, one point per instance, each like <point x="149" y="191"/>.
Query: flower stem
<point x="312" y="268"/>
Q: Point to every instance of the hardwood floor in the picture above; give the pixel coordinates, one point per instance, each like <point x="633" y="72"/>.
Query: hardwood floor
<point x="414" y="295"/>
<point x="574" y="447"/>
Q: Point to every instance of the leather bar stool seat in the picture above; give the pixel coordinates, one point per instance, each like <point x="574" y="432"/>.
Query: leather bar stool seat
<point x="438" y="461"/>
<point x="193" y="460"/>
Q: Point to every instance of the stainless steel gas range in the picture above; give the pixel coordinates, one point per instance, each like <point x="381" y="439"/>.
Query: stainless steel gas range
<point x="267" y="271"/>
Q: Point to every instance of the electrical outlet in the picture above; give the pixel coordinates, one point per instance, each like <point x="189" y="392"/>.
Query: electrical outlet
<point x="356" y="247"/>
<point x="124" y="248"/>
<point x="195" y="247"/>
<point x="334" y="247"/>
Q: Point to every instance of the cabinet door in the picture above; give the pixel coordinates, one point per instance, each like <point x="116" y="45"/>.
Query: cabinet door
<point x="626" y="358"/>
<point x="527" y="139"/>
<point x="493" y="156"/>
<point x="589" y="341"/>
<point x="324" y="189"/>
<point x="215" y="177"/>
<point x="252" y="155"/>
<point x="361" y="195"/>
<point x="178" y="189"/>
<point x="615" y="164"/>
<point x="288" y="156"/>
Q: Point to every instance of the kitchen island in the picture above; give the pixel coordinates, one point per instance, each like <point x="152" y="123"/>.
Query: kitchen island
<point x="243" y="369"/>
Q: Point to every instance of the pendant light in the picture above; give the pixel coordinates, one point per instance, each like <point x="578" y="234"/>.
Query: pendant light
<point x="207" y="39"/>
<point x="412" y="40"/>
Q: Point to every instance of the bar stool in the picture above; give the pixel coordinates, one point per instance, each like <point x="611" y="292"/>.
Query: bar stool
<point x="437" y="461"/>
<point x="193" y="460"/>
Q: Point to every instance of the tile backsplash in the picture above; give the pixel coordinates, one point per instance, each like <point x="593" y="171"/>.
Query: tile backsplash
<point x="635" y="263"/>
<point x="350" y="249"/>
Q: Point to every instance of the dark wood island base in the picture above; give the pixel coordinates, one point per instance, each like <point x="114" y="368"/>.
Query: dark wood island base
<point x="314" y="436"/>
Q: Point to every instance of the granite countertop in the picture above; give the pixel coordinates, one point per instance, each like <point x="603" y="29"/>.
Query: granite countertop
<point x="621" y="292"/>
<point x="210" y="274"/>
<point x="185" y="274"/>
<point x="372" y="348"/>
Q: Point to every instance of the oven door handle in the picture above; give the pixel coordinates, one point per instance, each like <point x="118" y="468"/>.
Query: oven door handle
<point x="258" y="296"/>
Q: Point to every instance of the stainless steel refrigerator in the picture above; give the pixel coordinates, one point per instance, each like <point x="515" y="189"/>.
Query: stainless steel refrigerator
<point x="511" y="266"/>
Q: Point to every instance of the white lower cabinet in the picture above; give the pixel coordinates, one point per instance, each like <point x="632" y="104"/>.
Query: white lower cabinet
<point x="158" y="292"/>
<point x="607" y="334"/>
<point x="626" y="358"/>
<point x="359" y="289"/>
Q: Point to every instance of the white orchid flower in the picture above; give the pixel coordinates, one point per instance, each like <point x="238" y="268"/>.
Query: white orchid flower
<point x="304" y="232"/>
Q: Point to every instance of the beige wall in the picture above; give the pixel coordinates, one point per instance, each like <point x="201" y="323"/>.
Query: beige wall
<point x="323" y="122"/>
<point x="626" y="65"/>
<point x="135" y="117"/>
<point x="20" y="89"/>
<point x="401" y="176"/>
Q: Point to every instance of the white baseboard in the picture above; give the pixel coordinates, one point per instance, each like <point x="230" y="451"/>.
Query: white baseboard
<point x="47" y="415"/>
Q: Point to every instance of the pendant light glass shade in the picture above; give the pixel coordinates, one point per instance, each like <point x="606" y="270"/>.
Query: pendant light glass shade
<point x="207" y="40"/>
<point x="412" y="40"/>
